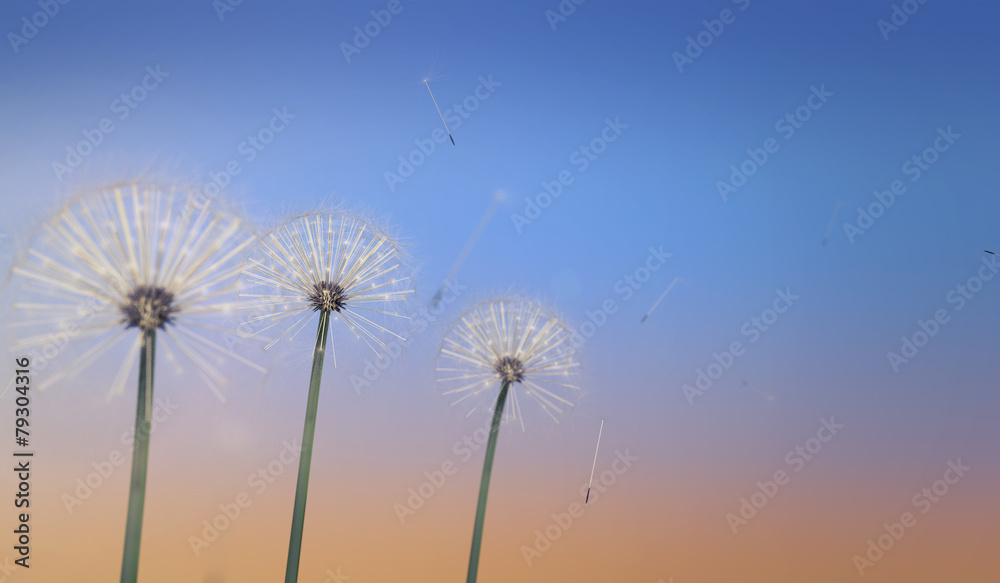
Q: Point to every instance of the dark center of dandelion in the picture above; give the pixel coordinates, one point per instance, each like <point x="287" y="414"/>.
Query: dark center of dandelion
<point x="510" y="369"/>
<point x="148" y="308"/>
<point x="327" y="297"/>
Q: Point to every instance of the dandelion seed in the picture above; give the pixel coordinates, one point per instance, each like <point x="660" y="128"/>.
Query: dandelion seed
<point x="498" y="197"/>
<point x="522" y="348"/>
<point x="342" y="268"/>
<point x="134" y="260"/>
<point x="439" y="111"/>
<point x="750" y="385"/>
<point x="829" y="227"/>
<point x="594" y="467"/>
<point x="649" y="312"/>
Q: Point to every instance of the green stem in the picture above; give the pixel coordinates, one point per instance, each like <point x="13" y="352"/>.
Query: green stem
<point x="305" y="461"/>
<point x="484" y="485"/>
<point x="140" y="459"/>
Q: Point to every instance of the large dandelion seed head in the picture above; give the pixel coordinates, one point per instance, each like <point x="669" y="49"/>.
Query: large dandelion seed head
<point x="509" y="341"/>
<point x="133" y="257"/>
<point x="332" y="263"/>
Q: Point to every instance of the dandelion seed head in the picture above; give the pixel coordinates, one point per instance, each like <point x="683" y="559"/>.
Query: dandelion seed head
<point x="509" y="341"/>
<point x="335" y="263"/>
<point x="133" y="256"/>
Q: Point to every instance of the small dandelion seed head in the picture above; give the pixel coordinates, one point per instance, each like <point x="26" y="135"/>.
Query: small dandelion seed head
<point x="333" y="263"/>
<point x="148" y="308"/>
<point x="513" y="342"/>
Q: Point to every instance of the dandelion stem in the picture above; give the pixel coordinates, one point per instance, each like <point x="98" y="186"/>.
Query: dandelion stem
<point x="305" y="461"/>
<point x="140" y="459"/>
<point x="484" y="485"/>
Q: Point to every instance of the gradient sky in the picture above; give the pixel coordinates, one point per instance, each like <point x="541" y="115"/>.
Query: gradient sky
<point x="654" y="186"/>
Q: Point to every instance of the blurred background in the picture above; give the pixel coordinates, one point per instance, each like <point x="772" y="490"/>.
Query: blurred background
<point x="692" y="163"/>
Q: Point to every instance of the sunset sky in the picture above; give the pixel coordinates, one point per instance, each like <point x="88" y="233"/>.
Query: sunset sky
<point x="842" y="385"/>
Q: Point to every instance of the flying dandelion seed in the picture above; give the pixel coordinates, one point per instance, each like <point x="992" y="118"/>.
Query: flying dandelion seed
<point x="439" y="111"/>
<point x="594" y="467"/>
<point x="750" y="385"/>
<point x="498" y="198"/>
<point x="344" y="269"/>
<point x="829" y="227"/>
<point x="660" y="299"/>
<point x="518" y="346"/>
<point x="135" y="261"/>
